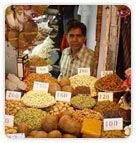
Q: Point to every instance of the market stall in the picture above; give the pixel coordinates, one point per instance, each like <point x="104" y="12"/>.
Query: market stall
<point x="38" y="105"/>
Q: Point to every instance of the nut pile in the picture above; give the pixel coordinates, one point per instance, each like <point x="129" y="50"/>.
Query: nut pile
<point x="38" y="77"/>
<point x="31" y="116"/>
<point x="38" y="99"/>
<point x="84" y="80"/>
<point x="80" y="115"/>
<point x="113" y="134"/>
<point x="105" y="106"/>
<point x="37" y="61"/>
<point x="59" y="107"/>
<point x="83" y="101"/>
<point x="111" y="82"/>
<point x="10" y="130"/>
<point x="13" y="106"/>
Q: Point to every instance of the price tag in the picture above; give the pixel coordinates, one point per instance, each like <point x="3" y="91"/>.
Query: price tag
<point x="104" y="73"/>
<point x="42" y="69"/>
<point x="83" y="71"/>
<point x="41" y="86"/>
<point x="63" y="96"/>
<point x="16" y="136"/>
<point x="9" y="120"/>
<point x="113" y="124"/>
<point x="103" y="96"/>
<point x="12" y="95"/>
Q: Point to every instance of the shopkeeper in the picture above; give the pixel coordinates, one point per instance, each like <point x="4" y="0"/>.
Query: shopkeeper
<point x="77" y="55"/>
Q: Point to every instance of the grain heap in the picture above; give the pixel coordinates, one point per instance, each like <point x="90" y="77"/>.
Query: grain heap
<point x="31" y="116"/>
<point x="84" y="80"/>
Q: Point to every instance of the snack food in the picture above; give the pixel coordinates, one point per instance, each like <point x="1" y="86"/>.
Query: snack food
<point x="38" y="99"/>
<point x="31" y="116"/>
<point x="83" y="101"/>
<point x="13" y="106"/>
<point x="111" y="82"/>
<point x="84" y="80"/>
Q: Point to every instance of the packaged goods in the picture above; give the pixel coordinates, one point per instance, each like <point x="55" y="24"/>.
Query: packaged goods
<point x="111" y="82"/>
<point x="84" y="80"/>
<point x="13" y="106"/>
<point x="83" y="101"/>
<point x="92" y="127"/>
<point x="44" y="49"/>
<point x="14" y="83"/>
<point x="31" y="116"/>
<point x="38" y="99"/>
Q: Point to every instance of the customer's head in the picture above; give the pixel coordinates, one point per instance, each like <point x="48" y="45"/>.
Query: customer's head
<point x="76" y="34"/>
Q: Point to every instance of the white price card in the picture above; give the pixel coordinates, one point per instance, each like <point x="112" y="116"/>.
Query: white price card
<point x="42" y="69"/>
<point x="41" y="86"/>
<point x="104" y="96"/>
<point x="104" y="73"/>
<point x="13" y="95"/>
<point x="113" y="124"/>
<point x="9" y="120"/>
<point x="63" y="96"/>
<point x="16" y="136"/>
<point x="83" y="71"/>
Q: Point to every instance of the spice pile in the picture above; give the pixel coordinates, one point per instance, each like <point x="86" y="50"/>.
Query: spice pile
<point x="38" y="77"/>
<point x="83" y="101"/>
<point x="111" y="82"/>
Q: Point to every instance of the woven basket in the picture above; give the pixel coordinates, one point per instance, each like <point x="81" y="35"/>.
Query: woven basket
<point x="13" y="38"/>
<point x="30" y="30"/>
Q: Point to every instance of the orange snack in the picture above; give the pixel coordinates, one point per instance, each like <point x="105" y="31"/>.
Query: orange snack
<point x="92" y="127"/>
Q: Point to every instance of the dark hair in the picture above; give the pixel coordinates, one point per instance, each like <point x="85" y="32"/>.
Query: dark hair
<point x="76" y="24"/>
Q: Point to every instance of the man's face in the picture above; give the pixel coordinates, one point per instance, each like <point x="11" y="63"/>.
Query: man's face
<point x="75" y="38"/>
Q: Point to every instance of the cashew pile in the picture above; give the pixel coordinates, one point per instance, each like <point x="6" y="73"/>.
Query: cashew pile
<point x="13" y="106"/>
<point x="10" y="130"/>
<point x="38" y="99"/>
<point x="84" y="80"/>
<point x="59" y="107"/>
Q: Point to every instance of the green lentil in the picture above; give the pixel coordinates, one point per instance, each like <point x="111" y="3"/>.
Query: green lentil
<point x="31" y="116"/>
<point x="83" y="101"/>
